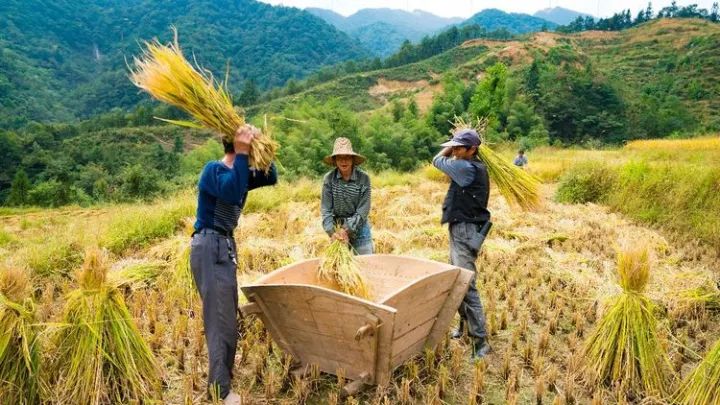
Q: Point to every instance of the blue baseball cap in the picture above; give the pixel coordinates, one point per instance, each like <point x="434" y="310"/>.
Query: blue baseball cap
<point x="464" y="137"/>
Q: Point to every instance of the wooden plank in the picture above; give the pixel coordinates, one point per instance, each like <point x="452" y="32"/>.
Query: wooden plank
<point x="421" y="313"/>
<point x="318" y="326"/>
<point x="407" y="302"/>
<point x="448" y="310"/>
<point x="271" y="326"/>
<point x="412" y="337"/>
<point x="383" y="366"/>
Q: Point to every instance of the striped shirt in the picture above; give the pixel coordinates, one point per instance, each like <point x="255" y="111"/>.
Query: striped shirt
<point x="345" y="202"/>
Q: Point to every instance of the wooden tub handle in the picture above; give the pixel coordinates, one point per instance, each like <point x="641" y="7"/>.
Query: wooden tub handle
<point x="364" y="331"/>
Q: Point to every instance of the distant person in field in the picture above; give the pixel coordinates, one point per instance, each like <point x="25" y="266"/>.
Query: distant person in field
<point x="345" y="203"/>
<point x="223" y="190"/>
<point x="465" y="211"/>
<point x="521" y="160"/>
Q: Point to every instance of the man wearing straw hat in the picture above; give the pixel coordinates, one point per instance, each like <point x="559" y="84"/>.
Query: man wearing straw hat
<point x="345" y="203"/>
<point x="223" y="190"/>
<point x="465" y="211"/>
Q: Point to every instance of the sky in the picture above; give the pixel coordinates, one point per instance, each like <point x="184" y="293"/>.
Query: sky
<point x="466" y="8"/>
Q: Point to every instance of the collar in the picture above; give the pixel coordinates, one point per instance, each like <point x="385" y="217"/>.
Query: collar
<point x="353" y="175"/>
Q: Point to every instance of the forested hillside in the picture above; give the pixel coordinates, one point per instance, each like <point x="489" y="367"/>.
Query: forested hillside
<point x="593" y="88"/>
<point x="64" y="59"/>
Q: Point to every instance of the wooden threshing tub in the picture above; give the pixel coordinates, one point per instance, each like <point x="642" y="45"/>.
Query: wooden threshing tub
<point x="413" y="305"/>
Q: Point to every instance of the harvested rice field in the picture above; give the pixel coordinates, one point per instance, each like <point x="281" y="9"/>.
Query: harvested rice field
<point x="546" y="277"/>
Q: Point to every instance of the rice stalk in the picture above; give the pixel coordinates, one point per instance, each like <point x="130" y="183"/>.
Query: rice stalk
<point x="702" y="386"/>
<point x="624" y="349"/>
<point x="165" y="74"/>
<point x="338" y="266"/>
<point x="136" y="275"/>
<point x="19" y="344"/>
<point x="518" y="187"/>
<point x="101" y="356"/>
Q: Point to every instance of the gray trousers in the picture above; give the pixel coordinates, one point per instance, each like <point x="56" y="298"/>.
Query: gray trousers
<point x="212" y="261"/>
<point x="465" y="242"/>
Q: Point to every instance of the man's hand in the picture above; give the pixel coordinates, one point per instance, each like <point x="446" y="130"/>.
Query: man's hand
<point x="243" y="138"/>
<point x="341" y="235"/>
<point x="447" y="151"/>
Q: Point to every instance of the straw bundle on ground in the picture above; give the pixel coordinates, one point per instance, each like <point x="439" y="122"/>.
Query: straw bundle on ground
<point x="19" y="346"/>
<point x="101" y="356"/>
<point x="136" y="275"/>
<point x="338" y="266"/>
<point x="624" y="349"/>
<point x="164" y="72"/>
<point x="517" y="186"/>
<point x="702" y="386"/>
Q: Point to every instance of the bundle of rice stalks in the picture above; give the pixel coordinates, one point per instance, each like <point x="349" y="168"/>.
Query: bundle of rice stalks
<point x="696" y="300"/>
<point x="517" y="186"/>
<point x="19" y="345"/>
<point x="624" y="349"/>
<point x="136" y="275"/>
<point x="101" y="356"/>
<point x="338" y="266"/>
<point x="702" y="386"/>
<point x="164" y="72"/>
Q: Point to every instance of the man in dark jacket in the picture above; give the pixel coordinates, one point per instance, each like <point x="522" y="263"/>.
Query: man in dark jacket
<point x="223" y="190"/>
<point x="465" y="210"/>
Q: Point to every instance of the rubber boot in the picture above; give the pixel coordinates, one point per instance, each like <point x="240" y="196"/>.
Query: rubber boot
<point x="480" y="348"/>
<point x="458" y="333"/>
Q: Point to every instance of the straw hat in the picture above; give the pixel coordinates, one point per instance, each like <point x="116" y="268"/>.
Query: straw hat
<point x="343" y="146"/>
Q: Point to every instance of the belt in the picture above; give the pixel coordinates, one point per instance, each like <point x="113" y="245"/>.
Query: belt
<point x="219" y="231"/>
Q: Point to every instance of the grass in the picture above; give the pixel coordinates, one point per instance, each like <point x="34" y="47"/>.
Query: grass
<point x="134" y="228"/>
<point x="669" y="183"/>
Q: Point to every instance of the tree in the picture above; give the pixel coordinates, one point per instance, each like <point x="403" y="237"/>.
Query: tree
<point x="649" y="12"/>
<point x="489" y="98"/>
<point x="412" y="108"/>
<point x="250" y="93"/>
<point x="521" y="119"/>
<point x="20" y="189"/>
<point x="178" y="145"/>
<point x="397" y="109"/>
<point x="714" y="12"/>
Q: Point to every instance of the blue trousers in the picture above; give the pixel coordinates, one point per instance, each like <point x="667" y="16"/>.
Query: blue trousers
<point x="362" y="241"/>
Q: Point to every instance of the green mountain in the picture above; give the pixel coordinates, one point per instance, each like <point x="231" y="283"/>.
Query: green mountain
<point x="559" y="15"/>
<point x="65" y="59"/>
<point x="383" y="30"/>
<point x="517" y="23"/>
<point x="652" y="80"/>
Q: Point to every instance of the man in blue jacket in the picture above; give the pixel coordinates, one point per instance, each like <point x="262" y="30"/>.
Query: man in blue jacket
<point x="465" y="210"/>
<point x="223" y="189"/>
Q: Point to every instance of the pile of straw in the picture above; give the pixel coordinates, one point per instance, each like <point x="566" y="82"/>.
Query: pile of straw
<point x="164" y="72"/>
<point x="101" y="356"/>
<point x="518" y="187"/>
<point x="338" y="267"/>
<point x="624" y="349"/>
<point x="19" y="345"/>
<point x="702" y="386"/>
